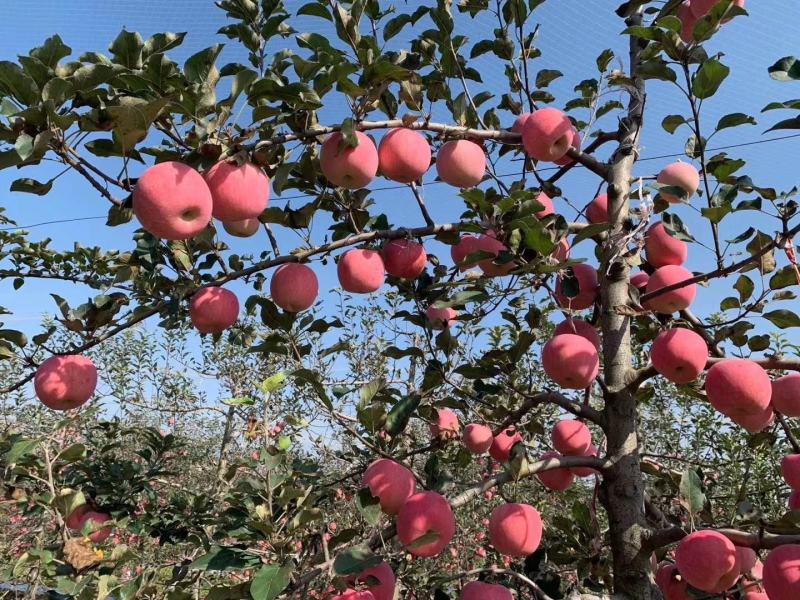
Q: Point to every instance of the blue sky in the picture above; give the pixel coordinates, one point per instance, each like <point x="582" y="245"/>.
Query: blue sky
<point x="573" y="33"/>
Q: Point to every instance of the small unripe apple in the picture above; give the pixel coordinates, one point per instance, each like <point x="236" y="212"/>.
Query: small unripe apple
<point x="243" y="229"/>
<point x="663" y="249"/>
<point x="477" y="438"/>
<point x="404" y="258"/>
<point x="65" y="382"/>
<point x="349" y="167"/>
<point x="682" y="175"/>
<point x="782" y="573"/>
<point x="571" y="437"/>
<point x="237" y="192"/>
<point x="461" y="163"/>
<point x="361" y="271"/>
<point x="468" y="244"/>
<point x="547" y="134"/>
<point x="404" y="155"/>
<point x="707" y="560"/>
<point x="597" y="210"/>
<point x="440" y="318"/>
<point x="515" y="529"/>
<point x="294" y="287"/>
<point x="556" y="480"/>
<point x="172" y="201"/>
<point x="679" y="354"/>
<point x="675" y="300"/>
<point x="786" y="395"/>
<point x="213" y="309"/>
<point x="571" y="361"/>
<point x="581" y="328"/>
<point x="586" y="275"/>
<point x="391" y="483"/>
<point x="423" y="514"/>
<point x="503" y="442"/>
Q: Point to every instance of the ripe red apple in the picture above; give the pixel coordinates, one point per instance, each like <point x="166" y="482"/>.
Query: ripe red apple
<point x="571" y="437"/>
<point x="172" y="201"/>
<point x="707" y="560"/>
<point x="477" y="438"/>
<point x="700" y="8"/>
<point x="491" y="245"/>
<point x="461" y="163"/>
<point x="404" y="258"/>
<point x="294" y="287"/>
<point x="515" y="529"/>
<point x="65" y="382"/>
<point x="404" y="155"/>
<point x="581" y="328"/>
<point x="244" y="229"/>
<point x="597" y="210"/>
<point x="794" y="500"/>
<point x="682" y="175"/>
<point x="640" y="281"/>
<point x="679" y="354"/>
<point x="73" y="520"/>
<point x="213" y="309"/>
<point x="586" y="471"/>
<point x="82" y="515"/>
<point x="675" y="300"/>
<point x="562" y="251"/>
<point x="786" y="395"/>
<point x="351" y="594"/>
<point x="747" y="559"/>
<point x="754" y="595"/>
<point x="503" y="442"/>
<point x="547" y="203"/>
<point x="756" y="422"/>
<point x="384" y="589"/>
<point x="478" y="590"/>
<point x="790" y="469"/>
<point x="571" y="361"/>
<point x="348" y="167"/>
<point x="361" y="271"/>
<point x="440" y="318"/>
<point x="663" y="249"/>
<point x="587" y="288"/>
<point x="688" y="21"/>
<point x="670" y="583"/>
<point x="238" y="192"/>
<point x="547" y="134"/>
<point x="557" y="480"/>
<point x="738" y="388"/>
<point x="391" y="483"/>
<point x="782" y="573"/>
<point x="468" y="244"/>
<point x="446" y="424"/>
<point x="519" y="122"/>
<point x="576" y="143"/>
<point x="425" y="524"/>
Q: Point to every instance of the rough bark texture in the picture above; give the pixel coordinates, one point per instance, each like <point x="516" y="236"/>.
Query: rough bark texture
<point x="622" y="490"/>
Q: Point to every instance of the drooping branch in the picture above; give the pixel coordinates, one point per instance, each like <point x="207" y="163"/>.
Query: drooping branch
<point x="531" y="401"/>
<point x="756" y="541"/>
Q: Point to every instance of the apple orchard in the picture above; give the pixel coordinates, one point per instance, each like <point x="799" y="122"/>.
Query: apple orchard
<point x="523" y="402"/>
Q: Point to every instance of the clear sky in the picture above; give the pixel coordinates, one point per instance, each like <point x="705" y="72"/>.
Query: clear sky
<point x="573" y="33"/>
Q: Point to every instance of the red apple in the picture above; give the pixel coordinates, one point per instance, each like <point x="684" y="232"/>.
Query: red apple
<point x="581" y="328"/>
<point x="213" y="309"/>
<point x="782" y="573"/>
<point x="675" y="300"/>
<point x="461" y="163"/>
<point x="571" y="361"/>
<point x="425" y="524"/>
<point x="349" y="167"/>
<point x="477" y="438"/>
<point x="491" y="245"/>
<point x="586" y="276"/>
<point x="65" y="382"/>
<point x="446" y="424"/>
<point x="238" y="192"/>
<point x="404" y="155"/>
<point x="361" y="271"/>
<point x="670" y="583"/>
<point x="557" y="480"/>
<point x="738" y="388"/>
<point x="391" y="483"/>
<point x="384" y="589"/>
<point x="503" y="442"/>
<point x="243" y="229"/>
<point x="478" y="590"/>
<point x="682" y="175"/>
<point x="679" y="354"/>
<point x="597" y="210"/>
<point x="468" y="244"/>
<point x="786" y="395"/>
<point x="440" y="318"/>
<point x="515" y="529"/>
<point x="707" y="560"/>
<point x="404" y="258"/>
<point x="294" y="287"/>
<point x="576" y="143"/>
<point x="571" y="437"/>
<point x="663" y="249"/>
<point x="547" y="134"/>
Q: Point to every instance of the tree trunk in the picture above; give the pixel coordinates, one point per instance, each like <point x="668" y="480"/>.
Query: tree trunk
<point x="622" y="489"/>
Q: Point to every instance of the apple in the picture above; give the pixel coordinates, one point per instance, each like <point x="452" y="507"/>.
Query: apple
<point x="65" y="382"/>
<point x="571" y="437"/>
<point x="786" y="395"/>
<point x="547" y="134"/>
<point x="707" y="560"/>
<point x="349" y="167"/>
<point x="565" y="160"/>
<point x="597" y="210"/>
<point x="440" y="318"/>
<point x="562" y="251"/>
<point x="782" y="573"/>
<point x="467" y="245"/>
<point x="675" y="300"/>
<point x="688" y="21"/>
<point x="581" y="328"/>
<point x="557" y="480"/>
<point x="477" y="438"/>
<point x="461" y="163"/>
<point x="446" y="425"/>
<point x="361" y="271"/>
<point x="586" y="275"/>
<point x="519" y="122"/>
<point x="682" y="175"/>
<point x="82" y="515"/>
<point x="404" y="258"/>
<point x="213" y="309"/>
<point x="790" y="469"/>
<point x="662" y="249"/>
<point x="503" y="442"/>
<point x="794" y="500"/>
<point x="391" y="483"/>
<point x="243" y="229"/>
<point x="547" y="203"/>
<point x="755" y="422"/>
<point x="294" y="287"/>
<point x="491" y="245"/>
<point x="404" y="155"/>
<point x="478" y="590"/>
<point x="237" y="192"/>
<point x="172" y="201"/>
<point x="571" y="361"/>
<point x="351" y="594"/>
<point x="700" y="8"/>
<point x="640" y="281"/>
<point x="382" y="572"/>
<point x="679" y="354"/>
<point x="747" y="559"/>
<point x="670" y="583"/>
<point x="425" y="524"/>
<point x="515" y="529"/>
<point x="739" y="388"/>
<point x="586" y="471"/>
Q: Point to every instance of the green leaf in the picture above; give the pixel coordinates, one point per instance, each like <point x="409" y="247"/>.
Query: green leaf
<point x="273" y="382"/>
<point x="132" y="119"/>
<point x="31" y="186"/>
<point x="783" y="318"/>
<point x="17" y="83"/>
<point x="74" y="453"/>
<point x="671" y="122"/>
<point x="243" y="401"/>
<point x="369" y="506"/>
<point x="270" y="581"/>
<point x="15" y="337"/>
<point x="221" y="559"/>
<point x="401" y="413"/>
<point x="604" y="59"/>
<point x="354" y="561"/>
<point x="708" y="78"/>
<point x="734" y="120"/>
<point x="127" y="49"/>
<point x="785" y="277"/>
<point x="691" y="490"/>
<point x="161" y="42"/>
<point x="51" y="51"/>
<point x="745" y="286"/>
<point x="793" y="123"/>
<point x="315" y="9"/>
<point x="786" y="69"/>
<point x="19" y="449"/>
<point x="546" y="76"/>
<point x="676" y="228"/>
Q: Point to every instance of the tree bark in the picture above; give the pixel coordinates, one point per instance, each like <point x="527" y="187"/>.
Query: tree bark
<point x="622" y="489"/>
